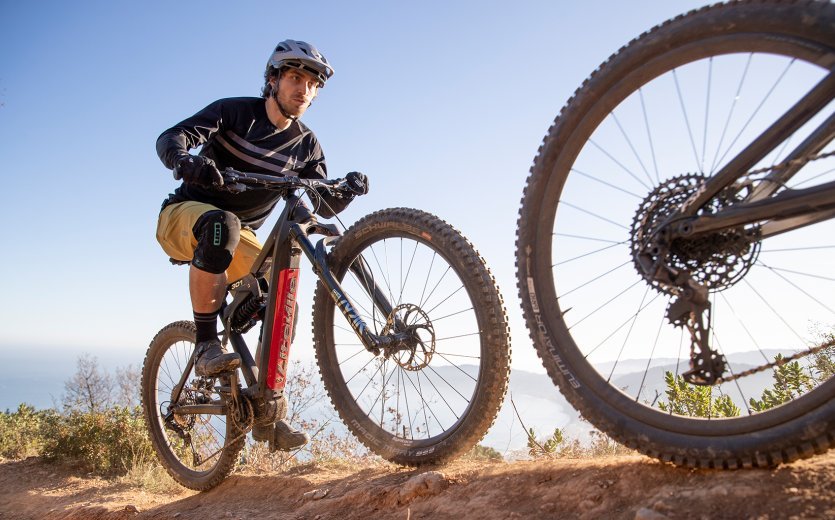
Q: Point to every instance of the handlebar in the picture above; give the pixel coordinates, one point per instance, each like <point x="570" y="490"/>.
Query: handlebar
<point x="237" y="181"/>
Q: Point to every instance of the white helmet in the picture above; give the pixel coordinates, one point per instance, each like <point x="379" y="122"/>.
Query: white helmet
<point x="300" y="55"/>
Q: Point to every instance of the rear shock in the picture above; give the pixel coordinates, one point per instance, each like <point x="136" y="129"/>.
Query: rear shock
<point x="248" y="313"/>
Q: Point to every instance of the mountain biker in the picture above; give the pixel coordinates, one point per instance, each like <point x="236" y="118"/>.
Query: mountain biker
<point x="214" y="229"/>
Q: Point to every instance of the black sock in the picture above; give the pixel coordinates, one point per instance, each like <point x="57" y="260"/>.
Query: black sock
<point x="206" y="324"/>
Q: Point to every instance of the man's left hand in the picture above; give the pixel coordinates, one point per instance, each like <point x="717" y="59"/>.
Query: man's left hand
<point x="357" y="182"/>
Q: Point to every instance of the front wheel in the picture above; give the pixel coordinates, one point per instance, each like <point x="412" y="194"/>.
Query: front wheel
<point x="197" y="450"/>
<point x="434" y="399"/>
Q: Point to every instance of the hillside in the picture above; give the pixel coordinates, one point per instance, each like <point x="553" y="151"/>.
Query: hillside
<point x="631" y="487"/>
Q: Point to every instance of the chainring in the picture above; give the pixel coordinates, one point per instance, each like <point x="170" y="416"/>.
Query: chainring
<point x="242" y="415"/>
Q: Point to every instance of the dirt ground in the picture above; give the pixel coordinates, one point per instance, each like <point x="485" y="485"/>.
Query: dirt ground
<point x="632" y="487"/>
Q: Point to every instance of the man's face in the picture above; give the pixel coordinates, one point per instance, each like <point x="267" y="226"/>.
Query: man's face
<point x="296" y="90"/>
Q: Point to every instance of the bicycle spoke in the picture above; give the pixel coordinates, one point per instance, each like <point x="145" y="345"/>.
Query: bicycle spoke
<point x="650" y="358"/>
<point x="649" y="138"/>
<point x="595" y="279"/>
<point x="793" y="249"/>
<point x="423" y="302"/>
<point x="599" y="217"/>
<point x="631" y="147"/>
<point x="686" y="121"/>
<point x="595" y="239"/>
<point x="624" y="168"/>
<point x="735" y="98"/>
<point x="441" y="395"/>
<point x="814" y="178"/>
<point x="459" y="336"/>
<point x="460" y="287"/>
<point x="456" y="366"/>
<point x="771" y="308"/>
<point x="744" y="327"/>
<point x="361" y="369"/>
<point x="607" y="183"/>
<point x="426" y="280"/>
<point x="628" y="333"/>
<point x="616" y="330"/>
<point x="756" y="110"/>
<point x="456" y="355"/>
<point x="450" y="315"/>
<point x="707" y="114"/>
<point x="352" y="356"/>
<point x="587" y="254"/>
<point x="802" y="291"/>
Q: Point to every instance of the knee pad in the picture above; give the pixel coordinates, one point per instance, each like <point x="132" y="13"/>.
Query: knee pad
<point x="218" y="233"/>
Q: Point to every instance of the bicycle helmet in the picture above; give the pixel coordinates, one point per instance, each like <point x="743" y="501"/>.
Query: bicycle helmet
<point x="300" y="55"/>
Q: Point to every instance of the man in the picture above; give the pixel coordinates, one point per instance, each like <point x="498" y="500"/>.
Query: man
<point x="213" y="229"/>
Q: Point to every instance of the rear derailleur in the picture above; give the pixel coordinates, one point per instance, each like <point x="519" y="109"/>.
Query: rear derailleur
<point x="690" y="308"/>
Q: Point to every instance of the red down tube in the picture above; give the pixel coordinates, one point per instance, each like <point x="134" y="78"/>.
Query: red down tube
<point x="282" y="330"/>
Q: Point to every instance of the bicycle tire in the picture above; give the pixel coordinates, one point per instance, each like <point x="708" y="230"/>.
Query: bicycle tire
<point x="461" y="299"/>
<point x="799" y="31"/>
<point x="168" y="352"/>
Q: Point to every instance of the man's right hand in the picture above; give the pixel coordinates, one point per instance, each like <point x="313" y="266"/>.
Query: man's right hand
<point x="196" y="169"/>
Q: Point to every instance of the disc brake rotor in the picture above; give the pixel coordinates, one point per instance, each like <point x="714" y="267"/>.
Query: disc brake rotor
<point x="421" y="345"/>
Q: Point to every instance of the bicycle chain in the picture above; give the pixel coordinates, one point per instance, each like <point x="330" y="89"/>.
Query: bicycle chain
<point x="775" y="364"/>
<point x="808" y="352"/>
<point x="794" y="162"/>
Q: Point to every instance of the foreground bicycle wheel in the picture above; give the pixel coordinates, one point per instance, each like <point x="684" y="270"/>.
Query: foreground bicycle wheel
<point x="437" y="400"/>
<point x="191" y="447"/>
<point x="632" y="145"/>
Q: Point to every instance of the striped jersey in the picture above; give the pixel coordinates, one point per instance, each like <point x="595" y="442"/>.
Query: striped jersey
<point x="236" y="132"/>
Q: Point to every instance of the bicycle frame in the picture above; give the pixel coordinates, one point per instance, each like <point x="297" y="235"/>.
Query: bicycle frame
<point x="280" y="259"/>
<point x="797" y="207"/>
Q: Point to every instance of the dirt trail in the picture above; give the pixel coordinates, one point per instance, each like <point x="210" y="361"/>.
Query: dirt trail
<point x="624" y="487"/>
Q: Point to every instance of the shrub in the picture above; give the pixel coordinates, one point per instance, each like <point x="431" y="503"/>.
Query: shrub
<point x="21" y="432"/>
<point x="109" y="442"/>
<point x="481" y="452"/>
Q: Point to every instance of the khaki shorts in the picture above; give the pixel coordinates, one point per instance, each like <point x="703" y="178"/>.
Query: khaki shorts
<point x="177" y="240"/>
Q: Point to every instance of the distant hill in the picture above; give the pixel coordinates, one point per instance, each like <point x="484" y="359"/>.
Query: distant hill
<point x="37" y="377"/>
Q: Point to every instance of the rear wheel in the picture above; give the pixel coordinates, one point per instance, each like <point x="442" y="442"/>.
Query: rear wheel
<point x="192" y="447"/>
<point x="633" y="145"/>
<point x="436" y="398"/>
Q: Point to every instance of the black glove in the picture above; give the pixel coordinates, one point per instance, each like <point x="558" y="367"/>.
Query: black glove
<point x="195" y="169"/>
<point x="357" y="182"/>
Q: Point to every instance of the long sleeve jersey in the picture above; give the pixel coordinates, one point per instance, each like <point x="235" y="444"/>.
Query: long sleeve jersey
<point x="236" y="132"/>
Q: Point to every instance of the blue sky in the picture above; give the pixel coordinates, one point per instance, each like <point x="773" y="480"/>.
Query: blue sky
<point x="442" y="104"/>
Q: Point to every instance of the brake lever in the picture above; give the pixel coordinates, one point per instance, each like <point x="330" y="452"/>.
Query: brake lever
<point x="230" y="182"/>
<point x="234" y="187"/>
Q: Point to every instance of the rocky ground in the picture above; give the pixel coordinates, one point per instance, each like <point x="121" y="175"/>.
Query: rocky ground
<point x="631" y="487"/>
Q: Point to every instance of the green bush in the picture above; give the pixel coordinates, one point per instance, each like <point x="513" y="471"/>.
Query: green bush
<point x="109" y="442"/>
<point x="481" y="452"/>
<point x="21" y="432"/>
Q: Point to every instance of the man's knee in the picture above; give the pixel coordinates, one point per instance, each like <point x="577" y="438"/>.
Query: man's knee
<point x="217" y="233"/>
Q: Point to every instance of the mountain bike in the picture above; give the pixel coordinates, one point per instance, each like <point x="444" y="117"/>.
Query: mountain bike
<point x="410" y="336"/>
<point x="675" y="240"/>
